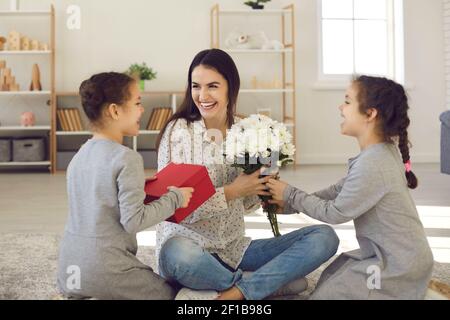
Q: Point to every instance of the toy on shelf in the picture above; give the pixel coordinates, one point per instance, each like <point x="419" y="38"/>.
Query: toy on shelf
<point x="239" y="40"/>
<point x="14" y="41"/>
<point x="2" y="43"/>
<point x="18" y="42"/>
<point x="7" y="81"/>
<point x="25" y="43"/>
<point x="35" y="79"/>
<point x="274" y="84"/>
<point x="27" y="119"/>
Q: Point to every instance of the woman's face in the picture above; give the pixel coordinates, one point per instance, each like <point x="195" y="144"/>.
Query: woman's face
<point x="209" y="91"/>
<point x="131" y="112"/>
<point x="355" y="123"/>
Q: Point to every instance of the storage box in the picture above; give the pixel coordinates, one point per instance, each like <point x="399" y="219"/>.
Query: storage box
<point x="5" y="150"/>
<point x="181" y="175"/>
<point x="29" y="150"/>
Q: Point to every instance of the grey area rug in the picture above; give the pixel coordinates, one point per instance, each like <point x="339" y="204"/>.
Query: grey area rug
<point x="28" y="265"/>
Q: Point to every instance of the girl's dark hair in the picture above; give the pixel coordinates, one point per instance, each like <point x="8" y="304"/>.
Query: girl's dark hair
<point x="102" y="89"/>
<point x="221" y="62"/>
<point x="390" y="100"/>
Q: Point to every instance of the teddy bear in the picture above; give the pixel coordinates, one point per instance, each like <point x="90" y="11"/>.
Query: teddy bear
<point x="239" y="40"/>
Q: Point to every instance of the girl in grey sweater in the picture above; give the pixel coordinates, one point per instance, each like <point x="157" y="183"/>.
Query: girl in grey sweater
<point x="394" y="260"/>
<point x="105" y="184"/>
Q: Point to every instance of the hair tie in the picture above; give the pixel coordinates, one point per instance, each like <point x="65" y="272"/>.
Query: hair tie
<point x="408" y="166"/>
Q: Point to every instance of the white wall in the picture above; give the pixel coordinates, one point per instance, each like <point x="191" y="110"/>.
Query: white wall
<point x="167" y="34"/>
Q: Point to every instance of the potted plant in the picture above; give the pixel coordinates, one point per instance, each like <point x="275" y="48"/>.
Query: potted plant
<point x="256" y="4"/>
<point x="141" y="72"/>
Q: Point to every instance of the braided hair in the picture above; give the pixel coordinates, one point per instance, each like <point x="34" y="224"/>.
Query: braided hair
<point x="390" y="100"/>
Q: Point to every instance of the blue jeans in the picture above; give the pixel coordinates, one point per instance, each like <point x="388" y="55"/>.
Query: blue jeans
<point x="275" y="262"/>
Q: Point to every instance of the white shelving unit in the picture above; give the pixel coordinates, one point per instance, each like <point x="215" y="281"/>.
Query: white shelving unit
<point x="288" y="86"/>
<point x="25" y="93"/>
<point x="25" y="164"/>
<point x="48" y="130"/>
<point x="134" y="140"/>
<point x="25" y="53"/>
<point x="25" y="13"/>
<point x="20" y="128"/>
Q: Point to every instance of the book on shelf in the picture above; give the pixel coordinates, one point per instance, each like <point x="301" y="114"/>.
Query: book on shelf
<point x="159" y="118"/>
<point x="69" y="119"/>
<point x="151" y="120"/>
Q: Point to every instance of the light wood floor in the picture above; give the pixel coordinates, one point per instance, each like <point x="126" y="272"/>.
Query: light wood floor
<point x="37" y="203"/>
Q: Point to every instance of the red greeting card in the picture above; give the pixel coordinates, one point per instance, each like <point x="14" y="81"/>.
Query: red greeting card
<point x="181" y="175"/>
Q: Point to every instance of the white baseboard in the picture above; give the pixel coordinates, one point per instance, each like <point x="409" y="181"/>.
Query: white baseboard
<point x="343" y="158"/>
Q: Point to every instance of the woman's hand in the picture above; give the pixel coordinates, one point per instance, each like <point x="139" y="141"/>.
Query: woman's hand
<point x="276" y="188"/>
<point x="247" y="185"/>
<point x="187" y="195"/>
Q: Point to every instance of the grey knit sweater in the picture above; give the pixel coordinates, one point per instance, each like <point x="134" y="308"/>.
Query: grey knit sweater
<point x="105" y="184"/>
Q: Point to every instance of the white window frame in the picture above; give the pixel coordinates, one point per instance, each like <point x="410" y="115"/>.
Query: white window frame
<point x="395" y="49"/>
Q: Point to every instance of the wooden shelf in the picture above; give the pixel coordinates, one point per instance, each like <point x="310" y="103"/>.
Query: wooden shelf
<point x="20" y="128"/>
<point x="25" y="164"/>
<point x="30" y="16"/>
<point x="25" y="93"/>
<point x="286" y="16"/>
<point x="25" y="53"/>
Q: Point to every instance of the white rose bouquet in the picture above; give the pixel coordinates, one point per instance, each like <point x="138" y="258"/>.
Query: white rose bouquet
<point x="256" y="142"/>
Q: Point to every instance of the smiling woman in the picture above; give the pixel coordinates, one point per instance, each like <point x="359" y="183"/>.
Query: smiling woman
<point x="208" y="251"/>
<point x="215" y="96"/>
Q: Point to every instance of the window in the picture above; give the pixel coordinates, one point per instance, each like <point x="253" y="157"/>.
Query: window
<point x="361" y="37"/>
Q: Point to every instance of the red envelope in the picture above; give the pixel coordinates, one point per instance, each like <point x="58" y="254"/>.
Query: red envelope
<point x="181" y="175"/>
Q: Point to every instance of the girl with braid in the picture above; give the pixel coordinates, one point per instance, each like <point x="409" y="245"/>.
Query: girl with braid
<point x="394" y="260"/>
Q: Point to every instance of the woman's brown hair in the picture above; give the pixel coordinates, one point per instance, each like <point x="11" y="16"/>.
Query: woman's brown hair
<point x="221" y="62"/>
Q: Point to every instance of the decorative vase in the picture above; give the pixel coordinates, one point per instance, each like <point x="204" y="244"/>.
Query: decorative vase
<point x="142" y="85"/>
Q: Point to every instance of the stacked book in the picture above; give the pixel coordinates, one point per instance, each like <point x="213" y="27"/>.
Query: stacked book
<point x="159" y="118"/>
<point x="69" y="119"/>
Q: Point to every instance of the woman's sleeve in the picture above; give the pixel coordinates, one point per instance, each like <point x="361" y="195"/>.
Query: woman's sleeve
<point x="362" y="189"/>
<point x="251" y="204"/>
<point x="135" y="216"/>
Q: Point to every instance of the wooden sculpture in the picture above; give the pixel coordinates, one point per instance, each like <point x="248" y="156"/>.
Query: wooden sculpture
<point x="14" y="41"/>
<point x="34" y="45"/>
<point x="2" y="43"/>
<point x="35" y="79"/>
<point x="24" y="43"/>
<point x="7" y="81"/>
